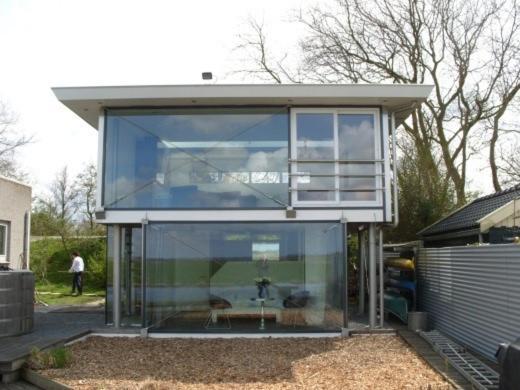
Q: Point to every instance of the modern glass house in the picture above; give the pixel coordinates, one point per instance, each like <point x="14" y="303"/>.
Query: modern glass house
<point x="228" y="206"/>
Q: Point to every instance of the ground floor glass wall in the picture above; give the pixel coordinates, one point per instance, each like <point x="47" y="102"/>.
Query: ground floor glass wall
<point x="244" y="276"/>
<point x="218" y="277"/>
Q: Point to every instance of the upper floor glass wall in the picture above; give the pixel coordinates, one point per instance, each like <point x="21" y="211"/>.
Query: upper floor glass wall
<point x="196" y="158"/>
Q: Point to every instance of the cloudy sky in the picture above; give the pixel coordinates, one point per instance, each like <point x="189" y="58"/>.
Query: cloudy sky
<point x="76" y="43"/>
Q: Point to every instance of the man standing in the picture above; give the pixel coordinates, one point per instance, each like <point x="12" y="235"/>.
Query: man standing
<point x="78" y="266"/>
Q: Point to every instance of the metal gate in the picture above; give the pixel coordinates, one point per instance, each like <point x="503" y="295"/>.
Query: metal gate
<point x="472" y="293"/>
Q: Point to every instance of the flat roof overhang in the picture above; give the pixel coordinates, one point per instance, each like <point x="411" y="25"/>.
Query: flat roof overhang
<point x="86" y="102"/>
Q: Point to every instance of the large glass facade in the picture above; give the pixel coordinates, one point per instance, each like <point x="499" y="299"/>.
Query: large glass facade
<point x="196" y="158"/>
<point x="244" y="276"/>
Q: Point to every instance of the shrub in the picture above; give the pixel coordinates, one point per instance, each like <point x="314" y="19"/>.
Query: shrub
<point x="55" y="358"/>
<point x="50" y="261"/>
<point x="60" y="357"/>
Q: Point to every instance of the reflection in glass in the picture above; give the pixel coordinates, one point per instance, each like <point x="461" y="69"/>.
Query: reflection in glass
<point x="356" y="142"/>
<point x="196" y="158"/>
<point x="130" y="280"/>
<point x="351" y="174"/>
<point x="266" y="251"/>
<point x="130" y="275"/>
<point x="315" y="141"/>
<point x="216" y="276"/>
<point x="356" y="136"/>
<point x="109" y="313"/>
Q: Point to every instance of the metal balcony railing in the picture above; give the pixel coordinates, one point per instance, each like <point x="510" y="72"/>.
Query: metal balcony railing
<point x="377" y="176"/>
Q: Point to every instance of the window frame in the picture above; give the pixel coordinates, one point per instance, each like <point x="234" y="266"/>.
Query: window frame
<point x="3" y="257"/>
<point x="379" y="166"/>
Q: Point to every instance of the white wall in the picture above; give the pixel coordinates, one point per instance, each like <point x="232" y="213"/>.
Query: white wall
<point x="15" y="201"/>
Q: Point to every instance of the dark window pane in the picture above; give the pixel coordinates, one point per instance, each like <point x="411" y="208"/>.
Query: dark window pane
<point x="315" y="127"/>
<point x="3" y="240"/>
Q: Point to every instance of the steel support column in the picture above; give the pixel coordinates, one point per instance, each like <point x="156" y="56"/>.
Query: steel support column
<point x="116" y="282"/>
<point x="361" y="275"/>
<point x="144" y="226"/>
<point x="381" y="281"/>
<point x="345" y="274"/>
<point x="372" y="292"/>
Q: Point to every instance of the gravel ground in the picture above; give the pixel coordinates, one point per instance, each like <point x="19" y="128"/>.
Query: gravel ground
<point x="370" y="362"/>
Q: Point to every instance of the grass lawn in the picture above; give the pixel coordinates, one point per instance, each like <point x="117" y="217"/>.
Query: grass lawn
<point x="60" y="294"/>
<point x="370" y="362"/>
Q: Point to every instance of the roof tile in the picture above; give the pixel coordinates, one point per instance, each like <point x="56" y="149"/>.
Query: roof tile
<point x="467" y="217"/>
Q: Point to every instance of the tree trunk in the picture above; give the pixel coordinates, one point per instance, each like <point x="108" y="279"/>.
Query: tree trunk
<point x="492" y="156"/>
<point x="460" y="191"/>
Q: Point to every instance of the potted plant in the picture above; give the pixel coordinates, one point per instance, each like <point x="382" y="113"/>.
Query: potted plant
<point x="262" y="284"/>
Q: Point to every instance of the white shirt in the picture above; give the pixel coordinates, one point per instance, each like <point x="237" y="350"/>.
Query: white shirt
<point x="77" y="265"/>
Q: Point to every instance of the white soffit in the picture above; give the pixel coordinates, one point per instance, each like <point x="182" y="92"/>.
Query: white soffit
<point x="87" y="101"/>
<point x="507" y="215"/>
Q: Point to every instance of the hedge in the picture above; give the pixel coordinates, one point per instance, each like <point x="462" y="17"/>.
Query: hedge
<point x="50" y="261"/>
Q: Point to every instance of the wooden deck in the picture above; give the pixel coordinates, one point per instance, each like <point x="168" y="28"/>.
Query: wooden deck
<point x="51" y="328"/>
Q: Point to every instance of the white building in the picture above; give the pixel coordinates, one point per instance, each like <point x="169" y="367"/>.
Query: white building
<point x="228" y="205"/>
<point x="15" y="212"/>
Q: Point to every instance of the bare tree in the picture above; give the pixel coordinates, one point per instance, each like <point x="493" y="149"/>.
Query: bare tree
<point x="258" y="59"/>
<point x="86" y="190"/>
<point x="64" y="195"/>
<point x="510" y="166"/>
<point x="11" y="140"/>
<point x="418" y="205"/>
<point x="506" y="52"/>
<point x="468" y="49"/>
<point x="504" y="159"/>
<point x="61" y="204"/>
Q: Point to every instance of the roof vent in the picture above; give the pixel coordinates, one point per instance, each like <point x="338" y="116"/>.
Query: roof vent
<point x="207" y="76"/>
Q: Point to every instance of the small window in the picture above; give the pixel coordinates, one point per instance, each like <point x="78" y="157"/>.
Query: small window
<point x="3" y="242"/>
<point x="266" y="251"/>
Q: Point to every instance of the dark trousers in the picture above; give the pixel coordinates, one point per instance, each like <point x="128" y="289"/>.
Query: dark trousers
<point x="77" y="282"/>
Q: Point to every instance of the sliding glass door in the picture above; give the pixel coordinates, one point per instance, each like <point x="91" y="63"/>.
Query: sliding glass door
<point x="336" y="157"/>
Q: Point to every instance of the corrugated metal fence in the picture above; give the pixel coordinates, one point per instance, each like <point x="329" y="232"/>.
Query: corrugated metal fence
<point x="472" y="294"/>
